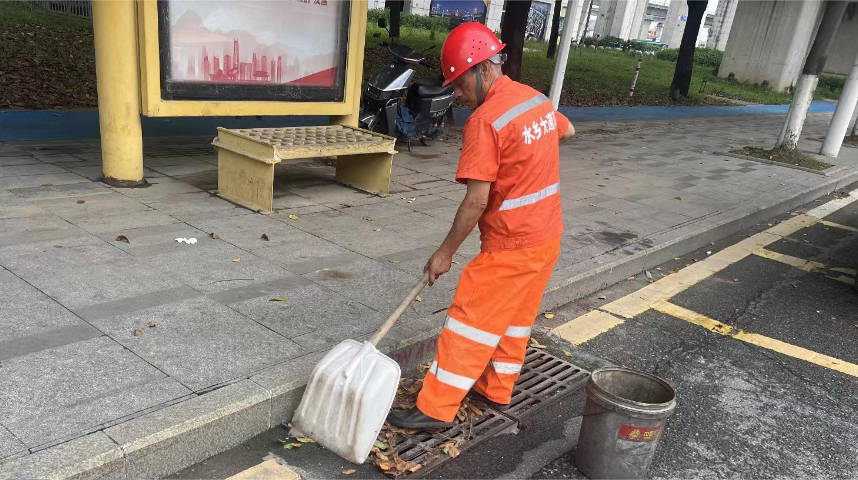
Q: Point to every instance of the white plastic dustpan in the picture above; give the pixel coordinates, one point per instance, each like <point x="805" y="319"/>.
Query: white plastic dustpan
<point x="350" y="392"/>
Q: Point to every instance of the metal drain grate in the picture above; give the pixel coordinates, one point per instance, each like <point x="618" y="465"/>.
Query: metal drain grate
<point x="544" y="380"/>
<point x="427" y="449"/>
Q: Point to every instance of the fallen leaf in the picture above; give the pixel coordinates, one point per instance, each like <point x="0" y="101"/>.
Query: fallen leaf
<point x="678" y="198"/>
<point x="380" y="444"/>
<point x="794" y="286"/>
<point x="265" y="237"/>
<point x="630" y="278"/>
<point x="602" y="297"/>
<point x="122" y="238"/>
<point x="236" y="260"/>
<point x="735" y="279"/>
<point x="673" y="270"/>
<point x="415" y="467"/>
<point x="535" y="344"/>
<point x="81" y="201"/>
<point x="278" y="299"/>
<point x="368" y="219"/>
<point x="394" y="261"/>
<point x="290" y="446"/>
<point x="677" y="259"/>
<point x="305" y="440"/>
<point x="567" y="353"/>
<point x="455" y="262"/>
<point x="138" y="333"/>
<point x="350" y="471"/>
<point x="292" y="216"/>
<point x="592" y="204"/>
<point x="382" y="457"/>
<point x="451" y="449"/>
<point x="151" y="324"/>
<point x="418" y="299"/>
<point x="548" y="315"/>
<point x="377" y="230"/>
<point x="47" y="185"/>
<point x="384" y="465"/>
<point x="214" y="236"/>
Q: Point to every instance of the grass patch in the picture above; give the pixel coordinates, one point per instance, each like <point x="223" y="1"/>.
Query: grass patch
<point x="46" y="60"/>
<point x="783" y="155"/>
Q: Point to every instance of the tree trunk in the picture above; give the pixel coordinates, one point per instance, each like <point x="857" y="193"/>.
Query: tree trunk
<point x="555" y="28"/>
<point x="512" y="34"/>
<point x="585" y="21"/>
<point x="809" y="78"/>
<point x="395" y="7"/>
<point x="682" y="74"/>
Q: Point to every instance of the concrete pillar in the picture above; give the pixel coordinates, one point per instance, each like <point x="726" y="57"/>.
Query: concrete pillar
<point x="418" y="7"/>
<point x="494" y="12"/>
<point x="116" y="62"/>
<point x="769" y="40"/>
<point x="721" y="24"/>
<point x="620" y="18"/>
<point x="674" y="23"/>
<point x="842" y="114"/>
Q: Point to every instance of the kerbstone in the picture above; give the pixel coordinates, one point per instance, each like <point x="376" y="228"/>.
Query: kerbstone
<point x="91" y="456"/>
<point x="170" y="439"/>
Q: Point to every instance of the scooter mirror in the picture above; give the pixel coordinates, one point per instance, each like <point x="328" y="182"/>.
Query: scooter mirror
<point x="382" y="23"/>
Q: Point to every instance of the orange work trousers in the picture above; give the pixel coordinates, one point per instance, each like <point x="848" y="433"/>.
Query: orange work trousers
<point x="484" y="341"/>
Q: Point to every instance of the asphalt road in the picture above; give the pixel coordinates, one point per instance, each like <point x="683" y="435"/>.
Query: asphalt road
<point x="743" y="411"/>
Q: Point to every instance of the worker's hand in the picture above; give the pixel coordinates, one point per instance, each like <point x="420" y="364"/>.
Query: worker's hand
<point x="439" y="263"/>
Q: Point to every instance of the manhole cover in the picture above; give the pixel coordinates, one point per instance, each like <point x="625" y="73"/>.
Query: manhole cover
<point x="544" y="379"/>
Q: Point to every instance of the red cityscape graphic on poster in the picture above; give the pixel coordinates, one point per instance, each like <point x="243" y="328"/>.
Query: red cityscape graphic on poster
<point x="276" y="42"/>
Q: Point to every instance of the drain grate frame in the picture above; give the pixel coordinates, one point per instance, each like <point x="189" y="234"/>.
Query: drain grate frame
<point x="544" y="380"/>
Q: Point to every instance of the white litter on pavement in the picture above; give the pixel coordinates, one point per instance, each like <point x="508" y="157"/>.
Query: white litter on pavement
<point x="189" y="241"/>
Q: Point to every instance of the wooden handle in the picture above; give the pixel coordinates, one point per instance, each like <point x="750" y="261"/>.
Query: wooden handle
<point x="382" y="331"/>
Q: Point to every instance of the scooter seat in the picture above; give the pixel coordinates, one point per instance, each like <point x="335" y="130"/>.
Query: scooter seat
<point x="426" y="91"/>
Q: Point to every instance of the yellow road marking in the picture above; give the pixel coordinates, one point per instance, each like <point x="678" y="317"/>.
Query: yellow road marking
<point x="693" y="317"/>
<point x="586" y="327"/>
<point x="667" y="287"/>
<point x="810" y="265"/>
<point x="267" y="470"/>
<point x="768" y="343"/>
<point x="837" y="225"/>
<point x="806" y="265"/>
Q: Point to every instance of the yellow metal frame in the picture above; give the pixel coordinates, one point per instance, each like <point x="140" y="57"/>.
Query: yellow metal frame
<point x="150" y="77"/>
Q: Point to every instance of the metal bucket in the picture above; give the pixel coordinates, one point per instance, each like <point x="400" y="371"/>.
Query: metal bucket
<point x="625" y="414"/>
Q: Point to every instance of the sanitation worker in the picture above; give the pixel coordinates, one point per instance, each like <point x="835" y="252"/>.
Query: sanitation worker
<point x="510" y="163"/>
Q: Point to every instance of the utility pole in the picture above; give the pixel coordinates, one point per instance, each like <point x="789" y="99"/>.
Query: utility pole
<point x="842" y="114"/>
<point x="813" y="66"/>
<point x="565" y="47"/>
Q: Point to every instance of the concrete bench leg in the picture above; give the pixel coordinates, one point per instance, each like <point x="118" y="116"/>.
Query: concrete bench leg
<point x="246" y="181"/>
<point x="369" y="172"/>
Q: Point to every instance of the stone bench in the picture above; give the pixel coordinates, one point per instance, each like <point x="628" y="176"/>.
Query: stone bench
<point x="247" y="157"/>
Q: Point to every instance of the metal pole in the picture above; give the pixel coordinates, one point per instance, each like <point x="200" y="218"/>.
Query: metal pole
<point x="842" y="114"/>
<point x="563" y="54"/>
<point x="114" y="25"/>
<point x="635" y="81"/>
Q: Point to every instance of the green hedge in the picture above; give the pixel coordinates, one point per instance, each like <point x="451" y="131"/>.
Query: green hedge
<point x="702" y="56"/>
<point x="410" y="20"/>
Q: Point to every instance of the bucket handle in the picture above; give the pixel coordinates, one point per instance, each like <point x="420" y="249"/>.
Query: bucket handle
<point x="382" y="331"/>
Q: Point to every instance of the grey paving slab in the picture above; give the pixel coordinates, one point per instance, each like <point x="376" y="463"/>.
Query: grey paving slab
<point x="77" y="190"/>
<point x="214" y="267"/>
<point x="95" y="284"/>
<point x="151" y="240"/>
<point x="18" y="230"/>
<point x="103" y="224"/>
<point x="10" y="447"/>
<point x="111" y="204"/>
<point x="9" y="161"/>
<point x="104" y="459"/>
<point x="51" y="395"/>
<point x="246" y="231"/>
<point x="372" y="240"/>
<point x="138" y="302"/>
<point x="159" y="187"/>
<point x="30" y="169"/>
<point x="308" y="308"/>
<point x="37" y="180"/>
<point x="198" y="341"/>
<point x="56" y="253"/>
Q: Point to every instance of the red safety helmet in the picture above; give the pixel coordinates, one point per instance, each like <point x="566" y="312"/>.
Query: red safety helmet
<point x="466" y="46"/>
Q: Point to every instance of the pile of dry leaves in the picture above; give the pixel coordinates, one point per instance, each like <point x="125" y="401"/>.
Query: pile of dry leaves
<point x="392" y="440"/>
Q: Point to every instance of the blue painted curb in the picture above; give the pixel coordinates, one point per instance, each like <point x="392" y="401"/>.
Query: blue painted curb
<point x="25" y="125"/>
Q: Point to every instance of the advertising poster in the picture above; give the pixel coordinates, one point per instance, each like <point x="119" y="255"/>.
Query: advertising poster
<point x="459" y="11"/>
<point x="537" y="21"/>
<point x="290" y="50"/>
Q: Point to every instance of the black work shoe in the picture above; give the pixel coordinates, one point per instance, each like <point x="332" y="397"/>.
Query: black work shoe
<point x="480" y="397"/>
<point x="414" y="418"/>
